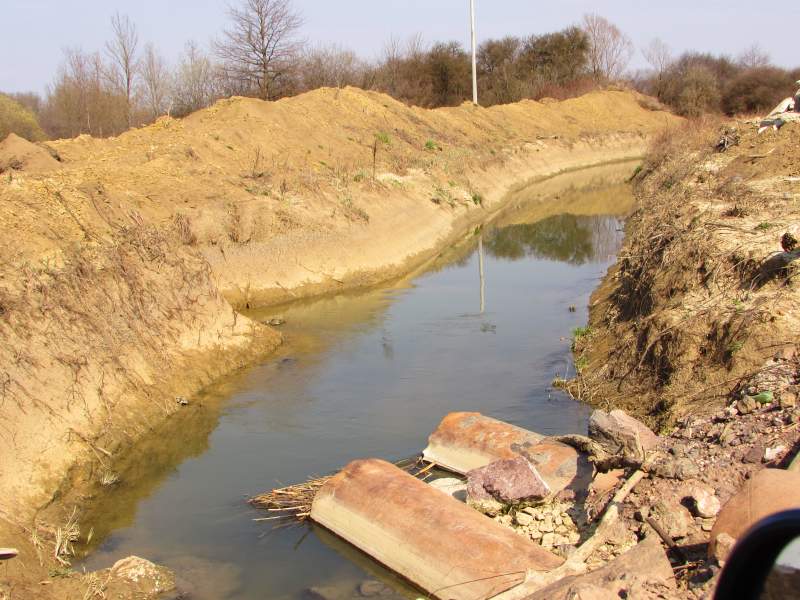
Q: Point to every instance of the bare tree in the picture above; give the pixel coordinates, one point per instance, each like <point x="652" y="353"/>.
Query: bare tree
<point x="610" y="50"/>
<point x="753" y="58"/>
<point x="659" y="57"/>
<point x="156" y="79"/>
<point x="194" y="81"/>
<point x="122" y="51"/>
<point x="330" y="66"/>
<point x="261" y="44"/>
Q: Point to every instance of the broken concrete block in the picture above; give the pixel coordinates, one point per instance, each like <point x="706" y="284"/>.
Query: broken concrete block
<point x="466" y="441"/>
<point x="618" y="577"/>
<point x="423" y="535"/>
<point x="621" y="435"/>
<point x="767" y="492"/>
<point x="674" y="518"/>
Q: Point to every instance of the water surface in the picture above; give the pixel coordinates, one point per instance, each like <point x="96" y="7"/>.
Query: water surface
<point x="367" y="374"/>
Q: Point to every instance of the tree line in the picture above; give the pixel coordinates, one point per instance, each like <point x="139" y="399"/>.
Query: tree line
<point x="260" y="53"/>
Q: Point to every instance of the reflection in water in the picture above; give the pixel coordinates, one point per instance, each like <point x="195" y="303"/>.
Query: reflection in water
<point x="368" y="373"/>
<point x="565" y="238"/>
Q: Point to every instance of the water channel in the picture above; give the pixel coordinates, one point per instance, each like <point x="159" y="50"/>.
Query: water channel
<point x="367" y="373"/>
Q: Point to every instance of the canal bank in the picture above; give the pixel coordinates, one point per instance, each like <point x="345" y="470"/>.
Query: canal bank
<point x="118" y="299"/>
<point x="369" y="373"/>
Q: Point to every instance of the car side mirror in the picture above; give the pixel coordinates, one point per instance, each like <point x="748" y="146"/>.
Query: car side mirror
<point x="765" y="563"/>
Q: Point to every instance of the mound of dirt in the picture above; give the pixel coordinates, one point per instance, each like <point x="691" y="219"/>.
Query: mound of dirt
<point x="702" y="306"/>
<point x="18" y="154"/>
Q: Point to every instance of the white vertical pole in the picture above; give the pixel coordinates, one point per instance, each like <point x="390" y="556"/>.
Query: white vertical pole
<point x="480" y="273"/>
<point x="474" y="54"/>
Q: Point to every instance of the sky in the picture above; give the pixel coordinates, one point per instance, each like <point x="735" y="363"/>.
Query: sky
<point x="33" y="33"/>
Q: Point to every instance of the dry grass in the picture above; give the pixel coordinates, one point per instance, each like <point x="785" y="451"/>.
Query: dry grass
<point x="688" y="314"/>
<point x="293" y="503"/>
<point x="65" y="537"/>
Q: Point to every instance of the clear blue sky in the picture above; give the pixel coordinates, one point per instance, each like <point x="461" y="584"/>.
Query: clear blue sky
<point x="34" y="32"/>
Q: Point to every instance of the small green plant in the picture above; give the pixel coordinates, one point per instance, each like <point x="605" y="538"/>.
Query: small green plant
<point x="578" y="334"/>
<point x="764" y="226"/>
<point x="441" y="194"/>
<point x="60" y="572"/>
<point x="430" y="146"/>
<point x="738" y="305"/>
<point x="735" y="347"/>
<point x="360" y="176"/>
<point x="636" y="171"/>
<point x="477" y="198"/>
<point x="581" y="363"/>
<point x="383" y="138"/>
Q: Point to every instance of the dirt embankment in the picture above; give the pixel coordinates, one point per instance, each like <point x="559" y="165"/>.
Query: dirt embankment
<point x="702" y="304"/>
<point x="122" y="258"/>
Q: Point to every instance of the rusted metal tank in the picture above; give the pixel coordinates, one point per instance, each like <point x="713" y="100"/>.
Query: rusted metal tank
<point x="467" y="440"/>
<point x="438" y="543"/>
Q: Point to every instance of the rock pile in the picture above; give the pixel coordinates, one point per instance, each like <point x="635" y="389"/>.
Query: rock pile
<point x="552" y="525"/>
<point x="697" y="497"/>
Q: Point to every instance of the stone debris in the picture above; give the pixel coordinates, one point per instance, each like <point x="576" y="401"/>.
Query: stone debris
<point x="511" y="482"/>
<point x="673" y="517"/>
<point x="622" y="436"/>
<point x="644" y="573"/>
<point x="150" y="579"/>
<point x="704" y="484"/>
<point x="723" y="544"/>
<point x="771" y="454"/>
<point x="552" y="525"/>
<point x="705" y="504"/>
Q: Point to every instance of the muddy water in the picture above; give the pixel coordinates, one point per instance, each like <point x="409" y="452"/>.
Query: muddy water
<point x="367" y="374"/>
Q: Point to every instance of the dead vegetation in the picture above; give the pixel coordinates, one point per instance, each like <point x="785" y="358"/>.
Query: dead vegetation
<point x="702" y="295"/>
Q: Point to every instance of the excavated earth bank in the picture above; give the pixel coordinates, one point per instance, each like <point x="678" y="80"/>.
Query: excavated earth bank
<point x="123" y="259"/>
<point x="702" y="306"/>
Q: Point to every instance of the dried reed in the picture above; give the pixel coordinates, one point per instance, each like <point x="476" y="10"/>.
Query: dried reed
<point x="293" y="502"/>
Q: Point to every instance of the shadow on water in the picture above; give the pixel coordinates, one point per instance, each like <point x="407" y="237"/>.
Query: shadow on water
<point x="366" y="373"/>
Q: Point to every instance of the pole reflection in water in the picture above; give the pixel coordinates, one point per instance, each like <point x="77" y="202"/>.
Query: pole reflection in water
<point x="480" y="273"/>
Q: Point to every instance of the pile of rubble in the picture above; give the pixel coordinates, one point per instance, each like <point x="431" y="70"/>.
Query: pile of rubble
<point x="694" y="485"/>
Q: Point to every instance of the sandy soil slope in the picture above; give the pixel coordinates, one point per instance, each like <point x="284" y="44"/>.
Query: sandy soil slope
<point x="702" y="306"/>
<point x="123" y="258"/>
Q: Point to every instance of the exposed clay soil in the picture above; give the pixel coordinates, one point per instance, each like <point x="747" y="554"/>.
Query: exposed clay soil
<point x="123" y="258"/>
<point x="703" y="296"/>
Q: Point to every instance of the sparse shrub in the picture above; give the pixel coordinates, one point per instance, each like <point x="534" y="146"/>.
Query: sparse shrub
<point x="15" y="118"/>
<point x="353" y="212"/>
<point x="756" y="90"/>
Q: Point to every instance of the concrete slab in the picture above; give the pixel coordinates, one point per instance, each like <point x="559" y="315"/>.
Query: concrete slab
<point x="438" y="543"/>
